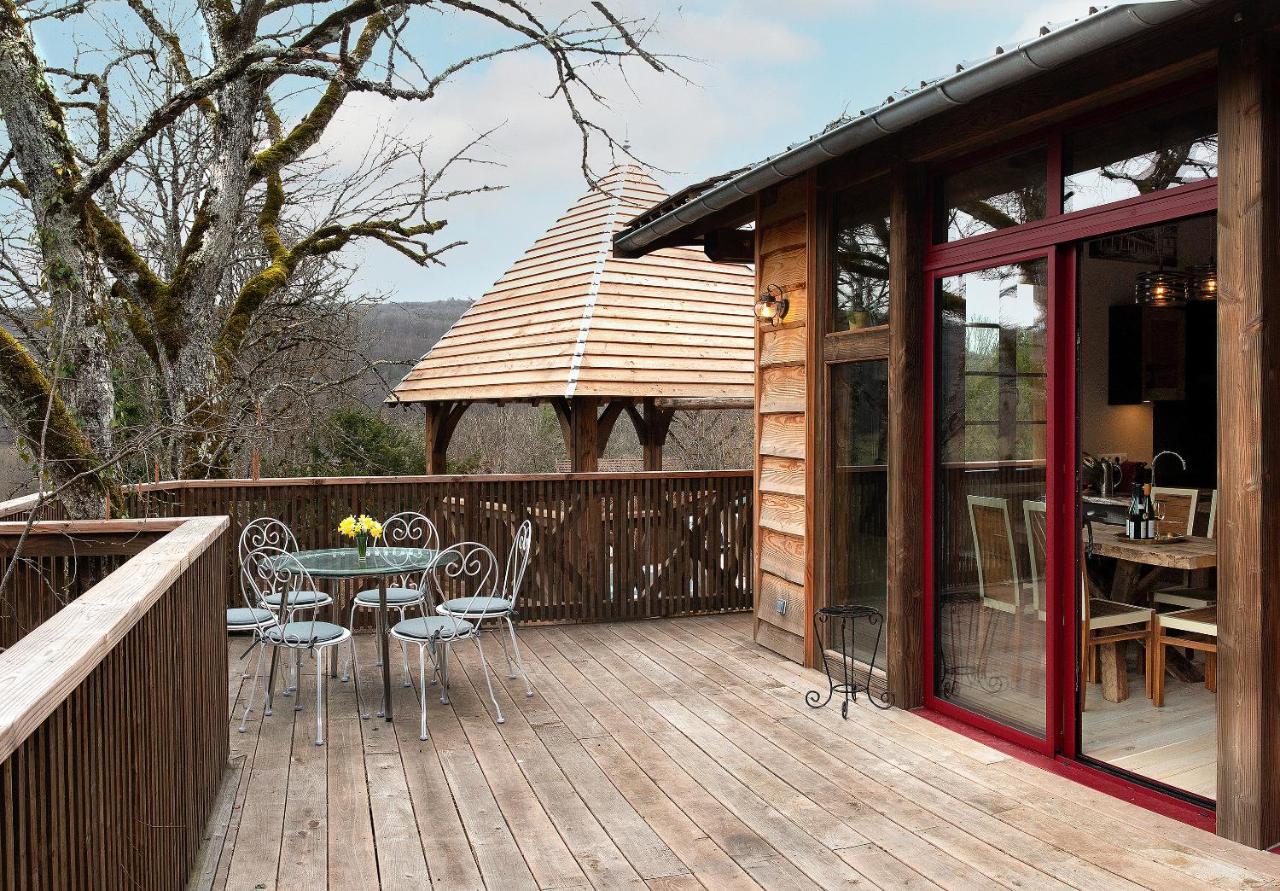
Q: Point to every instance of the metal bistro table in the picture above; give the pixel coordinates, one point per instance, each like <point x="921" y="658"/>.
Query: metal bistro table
<point x="381" y="563"/>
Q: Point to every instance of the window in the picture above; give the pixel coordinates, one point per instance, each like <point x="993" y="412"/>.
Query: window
<point x="861" y="259"/>
<point x="990" y="492"/>
<point x="994" y="195"/>
<point x="860" y="494"/>
<point x="1160" y="148"/>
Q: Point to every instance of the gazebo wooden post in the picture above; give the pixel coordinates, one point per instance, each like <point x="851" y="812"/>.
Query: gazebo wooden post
<point x="580" y="424"/>
<point x="441" y="420"/>
<point x="657" y="423"/>
<point x="1249" y="433"/>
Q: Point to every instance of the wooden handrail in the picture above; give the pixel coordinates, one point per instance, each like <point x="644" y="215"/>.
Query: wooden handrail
<point x="39" y="671"/>
<point x="174" y="485"/>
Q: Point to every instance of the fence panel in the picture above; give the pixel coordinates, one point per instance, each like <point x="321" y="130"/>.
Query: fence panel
<point x="113" y="712"/>
<point x="606" y="546"/>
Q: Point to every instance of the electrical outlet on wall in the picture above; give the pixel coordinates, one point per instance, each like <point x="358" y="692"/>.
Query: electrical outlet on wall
<point x="781" y="606"/>
<point x="1113" y="456"/>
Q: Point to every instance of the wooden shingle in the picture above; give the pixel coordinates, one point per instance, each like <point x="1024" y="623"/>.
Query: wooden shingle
<point x="570" y="319"/>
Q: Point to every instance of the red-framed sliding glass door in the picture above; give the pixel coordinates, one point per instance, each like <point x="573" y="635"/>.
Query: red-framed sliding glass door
<point x="1000" y="517"/>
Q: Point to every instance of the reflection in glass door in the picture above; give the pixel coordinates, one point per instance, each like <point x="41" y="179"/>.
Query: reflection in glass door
<point x="860" y="492"/>
<point x="990" y="406"/>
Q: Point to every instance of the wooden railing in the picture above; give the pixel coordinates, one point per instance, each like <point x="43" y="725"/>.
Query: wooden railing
<point x="113" y="700"/>
<point x="606" y="546"/>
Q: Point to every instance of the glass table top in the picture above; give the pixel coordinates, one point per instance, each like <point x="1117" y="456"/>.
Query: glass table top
<point x="343" y="562"/>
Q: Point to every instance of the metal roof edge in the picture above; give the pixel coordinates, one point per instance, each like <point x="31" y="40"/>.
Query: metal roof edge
<point x="1046" y="52"/>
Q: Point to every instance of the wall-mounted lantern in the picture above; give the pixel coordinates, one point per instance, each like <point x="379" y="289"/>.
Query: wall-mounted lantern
<point x="772" y="305"/>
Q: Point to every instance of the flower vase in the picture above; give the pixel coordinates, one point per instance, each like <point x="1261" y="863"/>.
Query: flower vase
<point x="362" y="546"/>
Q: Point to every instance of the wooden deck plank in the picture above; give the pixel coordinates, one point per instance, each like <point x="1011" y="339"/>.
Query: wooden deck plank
<point x="1079" y="830"/>
<point x="1200" y="854"/>
<point x="670" y="754"/>
<point x="560" y="681"/>
<point x="353" y="861"/>
<point x="566" y="779"/>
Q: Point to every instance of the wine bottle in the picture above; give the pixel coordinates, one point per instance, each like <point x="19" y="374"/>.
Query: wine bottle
<point x="1133" y="521"/>
<point x="1148" y="513"/>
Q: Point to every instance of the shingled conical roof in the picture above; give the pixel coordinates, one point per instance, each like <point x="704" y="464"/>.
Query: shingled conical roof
<point x="571" y="319"/>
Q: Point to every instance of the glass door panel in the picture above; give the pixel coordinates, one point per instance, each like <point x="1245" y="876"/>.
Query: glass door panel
<point x="860" y="492"/>
<point x="990" y="492"/>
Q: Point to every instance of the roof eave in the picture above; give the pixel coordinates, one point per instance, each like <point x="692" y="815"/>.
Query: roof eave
<point x="1089" y="34"/>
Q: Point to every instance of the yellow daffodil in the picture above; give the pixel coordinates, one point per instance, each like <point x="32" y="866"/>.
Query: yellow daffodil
<point x="348" y="527"/>
<point x="375" y="529"/>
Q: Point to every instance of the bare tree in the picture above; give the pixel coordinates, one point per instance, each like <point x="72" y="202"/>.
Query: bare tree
<point x="162" y="195"/>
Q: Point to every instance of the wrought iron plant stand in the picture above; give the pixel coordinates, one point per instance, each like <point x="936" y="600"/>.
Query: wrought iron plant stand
<point x="838" y="647"/>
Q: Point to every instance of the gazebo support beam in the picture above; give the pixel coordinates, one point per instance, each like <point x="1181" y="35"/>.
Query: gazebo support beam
<point x="580" y="424"/>
<point x="441" y="420"/>
<point x="651" y="428"/>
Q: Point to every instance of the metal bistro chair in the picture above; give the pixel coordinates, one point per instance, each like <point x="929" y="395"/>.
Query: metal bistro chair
<point x="268" y="532"/>
<point x="467" y="566"/>
<point x="501" y="606"/>
<point x="270" y="570"/>
<point x="407" y="529"/>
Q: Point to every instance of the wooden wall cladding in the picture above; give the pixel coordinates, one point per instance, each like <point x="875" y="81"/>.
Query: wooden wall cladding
<point x="782" y="389"/>
<point x="782" y="346"/>
<point x="783" y="260"/>
<point x="784" y="476"/>
<point x="782" y="435"/>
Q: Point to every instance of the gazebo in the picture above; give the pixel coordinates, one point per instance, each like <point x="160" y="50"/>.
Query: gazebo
<point x="596" y="335"/>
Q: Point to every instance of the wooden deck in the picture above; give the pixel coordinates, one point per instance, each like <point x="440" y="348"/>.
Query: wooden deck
<point x="670" y="754"/>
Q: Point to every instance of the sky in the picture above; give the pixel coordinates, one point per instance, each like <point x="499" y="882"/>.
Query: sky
<point x="763" y="74"/>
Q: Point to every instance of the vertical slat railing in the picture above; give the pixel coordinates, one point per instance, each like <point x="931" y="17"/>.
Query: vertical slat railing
<point x="607" y="546"/>
<point x="113" y="736"/>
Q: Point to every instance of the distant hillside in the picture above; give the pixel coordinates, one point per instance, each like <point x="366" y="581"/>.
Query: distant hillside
<point x="401" y="333"/>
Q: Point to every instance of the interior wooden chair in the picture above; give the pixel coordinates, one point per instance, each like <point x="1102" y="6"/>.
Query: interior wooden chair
<point x="1036" y="516"/>
<point x="1191" y="596"/>
<point x="1191" y="629"/>
<point x="1000" y="588"/>
<point x="1106" y="622"/>
<point x="1179" y="509"/>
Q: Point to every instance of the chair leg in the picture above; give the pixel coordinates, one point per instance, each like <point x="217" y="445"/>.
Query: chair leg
<point x="515" y="648"/>
<point x="1157" y="682"/>
<point x="1211" y="672"/>
<point x="443" y="650"/>
<point x="271" y="680"/>
<point x="297" y="679"/>
<point x="319" y="652"/>
<point x="351" y="623"/>
<point x="404" y="656"/>
<point x="484" y="664"/>
<point x="355" y="675"/>
<point x="257" y="676"/>
<point x="1148" y="644"/>
<point x="422" y="683"/>
<point x="506" y="654"/>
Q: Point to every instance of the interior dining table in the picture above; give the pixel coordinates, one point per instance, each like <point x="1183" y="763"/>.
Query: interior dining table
<point x="1139" y="562"/>
<point x="1139" y="569"/>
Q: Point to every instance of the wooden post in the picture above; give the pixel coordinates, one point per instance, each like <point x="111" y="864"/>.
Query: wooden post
<point x="905" y="643"/>
<point x="433" y="460"/>
<point x="657" y="423"/>
<point x="441" y="420"/>
<point x="1249" y="435"/>
<point x="583" y="443"/>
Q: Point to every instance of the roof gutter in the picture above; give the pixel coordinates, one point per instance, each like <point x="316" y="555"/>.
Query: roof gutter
<point x="1090" y="34"/>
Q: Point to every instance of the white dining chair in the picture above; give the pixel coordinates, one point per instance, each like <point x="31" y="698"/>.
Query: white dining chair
<point x="469" y="568"/>
<point x="271" y="570"/>
<point x="501" y="607"/>
<point x="268" y="532"/>
<point x="407" y="529"/>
